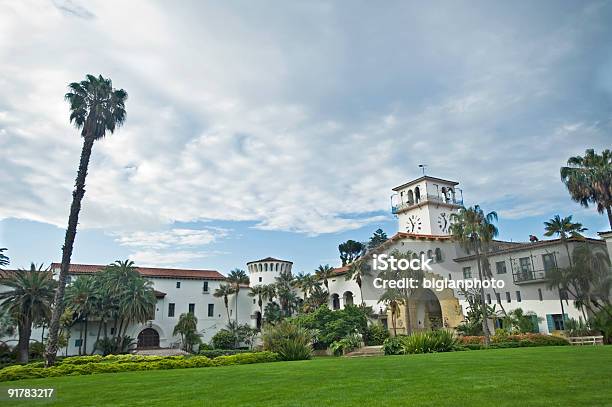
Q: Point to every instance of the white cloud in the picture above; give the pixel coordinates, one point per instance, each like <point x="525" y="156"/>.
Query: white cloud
<point x="294" y="117"/>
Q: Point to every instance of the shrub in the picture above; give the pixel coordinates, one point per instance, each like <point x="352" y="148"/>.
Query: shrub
<point x="504" y="345"/>
<point x="473" y="340"/>
<point x="431" y="341"/>
<point x="213" y="353"/>
<point x="346" y="344"/>
<point x="224" y="339"/>
<point x="375" y="335"/>
<point x="290" y="341"/>
<point x="37" y="350"/>
<point x="125" y="363"/>
<point x="392" y="345"/>
<point x="331" y="325"/>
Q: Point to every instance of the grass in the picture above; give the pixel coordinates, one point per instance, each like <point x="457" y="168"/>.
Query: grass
<point x="546" y="376"/>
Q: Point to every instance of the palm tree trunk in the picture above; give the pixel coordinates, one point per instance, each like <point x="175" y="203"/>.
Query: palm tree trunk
<point x="609" y="210"/>
<point x="97" y="336"/>
<point x="73" y="219"/>
<point x="85" y="339"/>
<point x="483" y="305"/>
<point x="25" y="330"/>
<point x="237" y="291"/>
<point x="80" y="338"/>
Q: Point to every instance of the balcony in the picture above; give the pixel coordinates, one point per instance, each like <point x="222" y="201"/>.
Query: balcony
<point x="400" y="207"/>
<point x="529" y="276"/>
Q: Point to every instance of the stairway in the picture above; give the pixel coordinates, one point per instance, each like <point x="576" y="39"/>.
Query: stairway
<point x="366" y="351"/>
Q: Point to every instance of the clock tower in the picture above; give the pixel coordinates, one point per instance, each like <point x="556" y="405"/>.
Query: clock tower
<point x="424" y="206"/>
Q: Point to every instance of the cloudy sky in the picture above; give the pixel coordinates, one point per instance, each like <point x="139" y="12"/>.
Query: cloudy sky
<point x="275" y="128"/>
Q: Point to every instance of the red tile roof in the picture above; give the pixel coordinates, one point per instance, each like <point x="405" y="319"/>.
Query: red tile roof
<point x="149" y="272"/>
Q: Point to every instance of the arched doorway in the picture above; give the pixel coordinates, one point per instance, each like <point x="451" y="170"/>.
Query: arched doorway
<point x="335" y="298"/>
<point x="428" y="310"/>
<point x="348" y="298"/>
<point x="148" y="338"/>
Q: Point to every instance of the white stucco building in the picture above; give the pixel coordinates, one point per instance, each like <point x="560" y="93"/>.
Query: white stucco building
<point x="423" y="208"/>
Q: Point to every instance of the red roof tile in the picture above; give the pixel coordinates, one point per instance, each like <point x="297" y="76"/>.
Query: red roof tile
<point x="270" y="259"/>
<point x="149" y="272"/>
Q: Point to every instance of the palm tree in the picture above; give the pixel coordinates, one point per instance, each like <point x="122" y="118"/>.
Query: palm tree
<point x="80" y="298"/>
<point x="187" y="328"/>
<point x="27" y="301"/>
<point x="391" y="297"/>
<point x="137" y="302"/>
<point x="268" y="292"/>
<point x="357" y="271"/>
<point x="310" y="282"/>
<point x="325" y="273"/>
<point x="564" y="228"/>
<point x="287" y="298"/>
<point x="589" y="180"/>
<point x="224" y="291"/>
<point x="258" y="291"/>
<point x="4" y="260"/>
<point x="236" y="278"/>
<point x="95" y="108"/>
<point x="473" y="229"/>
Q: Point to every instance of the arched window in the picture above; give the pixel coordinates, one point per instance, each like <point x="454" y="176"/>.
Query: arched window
<point x="438" y="255"/>
<point x="265" y="266"/>
<point x="417" y="195"/>
<point x="335" y="301"/>
<point x="410" y="197"/>
<point x="276" y="267"/>
<point x="260" y="268"/>
<point x="348" y="298"/>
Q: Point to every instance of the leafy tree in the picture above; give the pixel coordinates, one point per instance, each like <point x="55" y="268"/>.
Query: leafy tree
<point x="358" y="270"/>
<point x="379" y="237"/>
<point x="350" y="250"/>
<point x="236" y="278"/>
<point x="81" y="296"/>
<point x="27" y="301"/>
<point x="272" y="313"/>
<point x="224" y="291"/>
<point x="187" y="328"/>
<point x="473" y="228"/>
<point x="95" y="108"/>
<point x="589" y="180"/>
<point x="318" y="297"/>
<point x="325" y="273"/>
<point x="518" y="321"/>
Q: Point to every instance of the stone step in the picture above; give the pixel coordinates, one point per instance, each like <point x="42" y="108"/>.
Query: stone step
<point x="367" y="351"/>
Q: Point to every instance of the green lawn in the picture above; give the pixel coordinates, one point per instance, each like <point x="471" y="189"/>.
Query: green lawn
<point x="551" y="376"/>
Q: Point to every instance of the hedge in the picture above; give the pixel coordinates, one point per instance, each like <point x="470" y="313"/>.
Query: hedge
<point x="85" y="365"/>
<point x="527" y="339"/>
<point x="213" y="353"/>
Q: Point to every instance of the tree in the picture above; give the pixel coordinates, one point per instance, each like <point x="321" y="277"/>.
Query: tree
<point x="27" y="301"/>
<point x="81" y="297"/>
<point x="589" y="180"/>
<point x="391" y="298"/>
<point x="187" y="327"/>
<point x="317" y="297"/>
<point x="357" y="271"/>
<point x="310" y="282"/>
<point x="284" y="291"/>
<point x="95" y="108"/>
<point x="350" y="250"/>
<point x="4" y="260"/>
<point x="564" y="228"/>
<point x="325" y="273"/>
<point x="224" y="291"/>
<point x="379" y="237"/>
<point x="236" y="278"/>
<point x="473" y="228"/>
<point x="258" y="291"/>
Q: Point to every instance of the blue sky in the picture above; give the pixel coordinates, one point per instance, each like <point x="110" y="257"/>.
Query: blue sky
<point x="278" y="129"/>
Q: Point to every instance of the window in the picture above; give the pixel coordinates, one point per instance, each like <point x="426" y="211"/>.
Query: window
<point x="260" y="279"/>
<point x="205" y="286"/>
<point x="438" y="255"/>
<point x="192" y="308"/>
<point x="501" y="267"/>
<point x="254" y="301"/>
<point x="78" y="342"/>
<point x="430" y="254"/>
<point x="518" y="296"/>
<point x="467" y="272"/>
<point x="555" y="322"/>
<point x="488" y="298"/>
<point x="211" y="310"/>
<point x="540" y="294"/>
<point x="548" y="260"/>
<point x="498" y="297"/>
<point x="525" y="264"/>
<point x="171" y="309"/>
<point x="508" y="299"/>
<point x="112" y="331"/>
<point x="178" y="284"/>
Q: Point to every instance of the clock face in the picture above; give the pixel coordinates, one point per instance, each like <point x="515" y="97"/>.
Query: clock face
<point x="444" y="222"/>
<point x="413" y="224"/>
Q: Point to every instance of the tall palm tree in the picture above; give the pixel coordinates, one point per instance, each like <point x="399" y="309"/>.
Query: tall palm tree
<point x="473" y="229"/>
<point x="236" y="278"/>
<point x="81" y="299"/>
<point x="284" y="291"/>
<point x="95" y="108"/>
<point x="137" y="302"/>
<point x="27" y="301"/>
<point x="589" y="180"/>
<point x="224" y="291"/>
<point x="325" y="273"/>
<point x="310" y="282"/>
<point x="357" y="271"/>
<point x="268" y="292"/>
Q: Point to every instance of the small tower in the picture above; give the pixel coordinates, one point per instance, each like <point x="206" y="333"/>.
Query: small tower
<point x="264" y="271"/>
<point x="424" y="206"/>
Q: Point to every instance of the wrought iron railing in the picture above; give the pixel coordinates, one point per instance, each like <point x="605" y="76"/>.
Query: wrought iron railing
<point x="528" y="276"/>
<point x="429" y="198"/>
